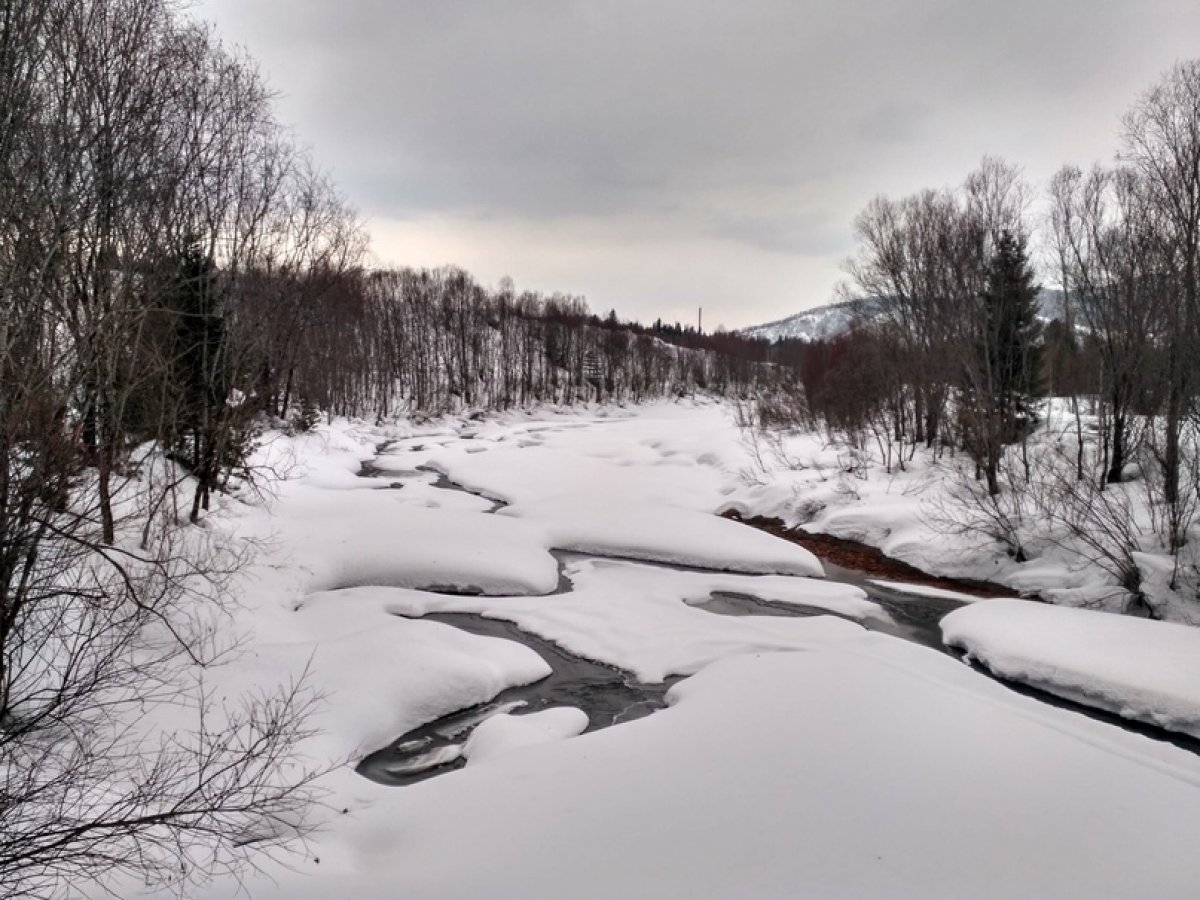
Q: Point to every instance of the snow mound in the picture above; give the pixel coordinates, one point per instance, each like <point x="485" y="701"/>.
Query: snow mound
<point x="372" y="537"/>
<point x="505" y="733"/>
<point x="1136" y="668"/>
<point x="666" y="535"/>
<point x="380" y="676"/>
<point x="610" y="467"/>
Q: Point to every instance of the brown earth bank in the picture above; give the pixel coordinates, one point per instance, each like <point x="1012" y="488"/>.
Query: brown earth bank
<point x="868" y="560"/>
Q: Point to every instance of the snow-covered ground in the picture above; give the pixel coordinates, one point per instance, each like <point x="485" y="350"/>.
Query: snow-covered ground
<point x="915" y="513"/>
<point x="804" y="757"/>
<point x="1136" y="668"/>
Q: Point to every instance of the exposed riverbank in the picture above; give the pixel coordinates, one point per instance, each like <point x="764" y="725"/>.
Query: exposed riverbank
<point x="870" y="562"/>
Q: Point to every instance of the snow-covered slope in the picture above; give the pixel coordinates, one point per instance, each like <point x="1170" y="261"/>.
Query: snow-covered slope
<point x="1136" y="668"/>
<point x="818" y="323"/>
<point x="833" y="319"/>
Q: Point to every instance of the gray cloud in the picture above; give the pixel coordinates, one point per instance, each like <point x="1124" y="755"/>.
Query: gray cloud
<point x="895" y="122"/>
<point x="807" y="232"/>
<point x="760" y="123"/>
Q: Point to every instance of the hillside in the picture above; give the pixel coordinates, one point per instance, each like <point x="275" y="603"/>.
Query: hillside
<point x="830" y="320"/>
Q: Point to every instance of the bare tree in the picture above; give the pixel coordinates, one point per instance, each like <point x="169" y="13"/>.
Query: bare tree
<point x="1162" y="145"/>
<point x="113" y="760"/>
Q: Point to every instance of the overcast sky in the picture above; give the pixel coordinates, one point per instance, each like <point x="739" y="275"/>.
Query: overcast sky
<point x="660" y="155"/>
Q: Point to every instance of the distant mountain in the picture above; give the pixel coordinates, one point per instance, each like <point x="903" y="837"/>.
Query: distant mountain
<point x="816" y="324"/>
<point x="824" y="322"/>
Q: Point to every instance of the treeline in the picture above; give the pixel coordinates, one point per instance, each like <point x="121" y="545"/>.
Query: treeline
<point x="387" y="342"/>
<point x="955" y="358"/>
<point x="144" y="190"/>
<point x="950" y="356"/>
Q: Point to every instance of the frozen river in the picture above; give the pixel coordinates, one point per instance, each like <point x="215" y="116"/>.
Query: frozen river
<point x="496" y="594"/>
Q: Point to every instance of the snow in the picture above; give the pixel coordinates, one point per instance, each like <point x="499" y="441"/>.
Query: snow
<point x="802" y="755"/>
<point x="823" y="323"/>
<point x="870" y="770"/>
<point x="615" y="491"/>
<point x="760" y="781"/>
<point x="639" y="530"/>
<point x="505" y="732"/>
<point x="353" y="543"/>
<point x="921" y="590"/>
<point x="913" y="513"/>
<point x="438" y="756"/>
<point x="638" y="617"/>
<point x="380" y="676"/>
<point x="338" y="531"/>
<point x="1136" y="668"/>
<point x="570" y="468"/>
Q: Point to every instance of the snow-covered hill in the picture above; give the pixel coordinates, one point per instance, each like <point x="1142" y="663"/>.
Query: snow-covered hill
<point x="818" y="323"/>
<point x="832" y="319"/>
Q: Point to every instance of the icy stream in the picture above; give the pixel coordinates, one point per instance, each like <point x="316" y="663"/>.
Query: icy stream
<point x="606" y="694"/>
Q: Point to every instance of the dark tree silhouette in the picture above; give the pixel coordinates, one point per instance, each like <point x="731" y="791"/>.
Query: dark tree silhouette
<point x="1004" y="389"/>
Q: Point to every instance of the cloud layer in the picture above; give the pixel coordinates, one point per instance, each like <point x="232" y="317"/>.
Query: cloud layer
<point x="658" y="155"/>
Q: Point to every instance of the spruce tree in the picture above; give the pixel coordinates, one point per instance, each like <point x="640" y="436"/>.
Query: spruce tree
<point x="200" y="370"/>
<point x="1002" y="393"/>
<point x="1012" y="350"/>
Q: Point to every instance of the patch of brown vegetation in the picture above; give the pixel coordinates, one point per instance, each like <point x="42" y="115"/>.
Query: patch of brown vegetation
<point x="870" y="561"/>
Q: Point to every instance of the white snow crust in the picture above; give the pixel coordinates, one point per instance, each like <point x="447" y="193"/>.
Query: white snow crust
<point x="374" y="537"/>
<point x="1136" y="668"/>
<point x="639" y="530"/>
<point x="638" y="617"/>
<point x="921" y="590"/>
<point x="874" y="769"/>
<point x="506" y="732"/>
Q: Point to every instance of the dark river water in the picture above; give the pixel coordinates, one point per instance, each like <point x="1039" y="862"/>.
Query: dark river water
<point x="608" y="695"/>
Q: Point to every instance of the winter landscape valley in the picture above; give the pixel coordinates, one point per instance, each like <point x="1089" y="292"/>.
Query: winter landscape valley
<point x="542" y="450"/>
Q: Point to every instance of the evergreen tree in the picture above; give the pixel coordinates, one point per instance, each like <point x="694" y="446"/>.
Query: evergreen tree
<point x="200" y="371"/>
<point x="1012" y="332"/>
<point x="199" y="336"/>
<point x="1004" y="381"/>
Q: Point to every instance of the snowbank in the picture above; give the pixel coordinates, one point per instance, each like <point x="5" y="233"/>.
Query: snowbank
<point x="1136" y="668"/>
<point x="922" y="590"/>
<point x="346" y="538"/>
<point x="379" y="676"/>
<point x="638" y="530"/>
<point x="506" y="732"/>
<point x="804" y="756"/>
